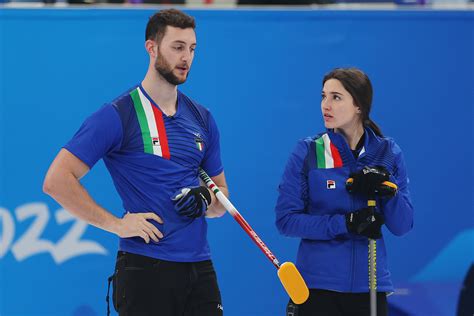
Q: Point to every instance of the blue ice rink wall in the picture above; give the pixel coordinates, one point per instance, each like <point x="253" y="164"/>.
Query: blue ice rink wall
<point x="260" y="74"/>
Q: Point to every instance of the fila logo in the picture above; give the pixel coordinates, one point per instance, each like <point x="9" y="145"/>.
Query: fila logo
<point x="219" y="306"/>
<point x="331" y="184"/>
<point x="155" y="141"/>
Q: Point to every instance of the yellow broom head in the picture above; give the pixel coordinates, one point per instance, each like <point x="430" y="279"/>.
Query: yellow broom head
<point x="293" y="283"/>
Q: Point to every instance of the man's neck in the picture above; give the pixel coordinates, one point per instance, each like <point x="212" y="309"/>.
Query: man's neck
<point x="162" y="93"/>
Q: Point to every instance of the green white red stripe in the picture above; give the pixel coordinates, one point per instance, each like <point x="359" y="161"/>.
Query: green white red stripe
<point x="152" y="125"/>
<point x="199" y="145"/>
<point x="214" y="188"/>
<point x="327" y="154"/>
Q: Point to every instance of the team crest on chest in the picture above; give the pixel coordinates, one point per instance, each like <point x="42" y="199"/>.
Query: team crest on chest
<point x="199" y="143"/>
<point x="330" y="184"/>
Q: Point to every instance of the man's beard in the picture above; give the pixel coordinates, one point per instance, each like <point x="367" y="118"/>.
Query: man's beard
<point x="165" y="70"/>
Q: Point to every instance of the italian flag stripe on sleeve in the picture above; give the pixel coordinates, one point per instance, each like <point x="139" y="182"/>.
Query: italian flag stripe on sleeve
<point x="320" y="153"/>
<point x="147" y="144"/>
<point x="336" y="156"/>
<point x="152" y="126"/>
<point x="327" y="151"/>
<point x="161" y="132"/>
<point x="327" y="154"/>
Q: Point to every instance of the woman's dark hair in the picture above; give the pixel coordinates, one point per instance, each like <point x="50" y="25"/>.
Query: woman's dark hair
<point x="358" y="84"/>
<point x="156" y="27"/>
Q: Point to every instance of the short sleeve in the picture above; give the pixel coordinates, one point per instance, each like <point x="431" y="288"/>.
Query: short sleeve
<point x="99" y="135"/>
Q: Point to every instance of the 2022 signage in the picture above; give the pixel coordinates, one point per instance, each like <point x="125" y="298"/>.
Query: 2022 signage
<point x="31" y="243"/>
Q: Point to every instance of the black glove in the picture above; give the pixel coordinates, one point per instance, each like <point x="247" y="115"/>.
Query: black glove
<point x="367" y="181"/>
<point x="192" y="202"/>
<point x="366" y="223"/>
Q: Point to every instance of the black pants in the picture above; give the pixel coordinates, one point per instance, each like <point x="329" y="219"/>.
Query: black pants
<point x="145" y="286"/>
<point x="329" y="303"/>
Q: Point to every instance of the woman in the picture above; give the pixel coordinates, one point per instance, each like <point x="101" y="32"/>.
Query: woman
<point x="333" y="220"/>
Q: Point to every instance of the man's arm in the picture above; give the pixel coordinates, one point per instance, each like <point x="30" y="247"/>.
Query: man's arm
<point x="62" y="184"/>
<point x="216" y="209"/>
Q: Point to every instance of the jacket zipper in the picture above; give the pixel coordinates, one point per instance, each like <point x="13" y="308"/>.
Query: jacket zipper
<point x="353" y="257"/>
<point x="353" y="167"/>
<point x="352" y="254"/>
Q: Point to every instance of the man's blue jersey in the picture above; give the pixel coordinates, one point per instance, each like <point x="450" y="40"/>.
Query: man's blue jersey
<point x="150" y="156"/>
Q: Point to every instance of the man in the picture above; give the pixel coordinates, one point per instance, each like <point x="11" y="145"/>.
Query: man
<point x="153" y="139"/>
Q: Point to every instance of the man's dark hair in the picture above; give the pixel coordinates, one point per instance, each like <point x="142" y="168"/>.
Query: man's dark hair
<point x="156" y="27"/>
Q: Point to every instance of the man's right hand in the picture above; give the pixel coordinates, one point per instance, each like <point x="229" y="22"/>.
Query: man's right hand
<point x="137" y="225"/>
